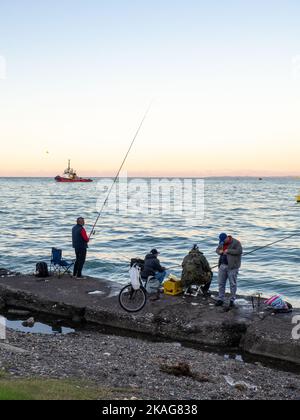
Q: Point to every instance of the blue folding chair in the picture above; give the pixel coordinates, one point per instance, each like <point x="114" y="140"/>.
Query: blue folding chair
<point x="58" y="264"/>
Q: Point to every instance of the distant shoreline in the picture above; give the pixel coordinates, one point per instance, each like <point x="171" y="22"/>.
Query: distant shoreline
<point x="295" y="177"/>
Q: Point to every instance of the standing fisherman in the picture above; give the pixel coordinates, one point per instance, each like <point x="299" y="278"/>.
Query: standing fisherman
<point x="80" y="244"/>
<point x="230" y="251"/>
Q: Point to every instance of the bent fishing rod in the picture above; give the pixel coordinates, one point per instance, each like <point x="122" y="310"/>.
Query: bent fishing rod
<point x="119" y="171"/>
<point x="254" y="250"/>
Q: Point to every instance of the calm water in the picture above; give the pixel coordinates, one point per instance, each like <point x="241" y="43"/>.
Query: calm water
<point x="39" y="213"/>
<point x="38" y="328"/>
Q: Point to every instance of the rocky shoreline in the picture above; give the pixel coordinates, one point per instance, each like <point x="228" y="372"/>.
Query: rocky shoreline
<point x="130" y="368"/>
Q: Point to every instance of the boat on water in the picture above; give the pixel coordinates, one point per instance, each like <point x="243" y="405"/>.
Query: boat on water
<point x="298" y="198"/>
<point x="70" y="175"/>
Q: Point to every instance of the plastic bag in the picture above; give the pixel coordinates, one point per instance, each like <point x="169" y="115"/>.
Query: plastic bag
<point x="153" y="285"/>
<point x="241" y="385"/>
<point x="134" y="273"/>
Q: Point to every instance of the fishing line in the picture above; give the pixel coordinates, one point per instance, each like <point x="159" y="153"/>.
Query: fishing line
<point x="127" y="258"/>
<point x="119" y="171"/>
<point x="273" y="243"/>
<point x="254" y="250"/>
<point x="265" y="246"/>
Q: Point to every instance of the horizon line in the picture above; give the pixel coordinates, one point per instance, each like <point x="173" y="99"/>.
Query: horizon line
<point x="160" y="176"/>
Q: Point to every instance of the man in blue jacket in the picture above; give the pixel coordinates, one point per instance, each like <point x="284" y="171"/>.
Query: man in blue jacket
<point x="80" y="241"/>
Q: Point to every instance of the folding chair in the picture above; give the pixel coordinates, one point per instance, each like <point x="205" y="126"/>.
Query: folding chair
<point x="58" y="264"/>
<point x="193" y="290"/>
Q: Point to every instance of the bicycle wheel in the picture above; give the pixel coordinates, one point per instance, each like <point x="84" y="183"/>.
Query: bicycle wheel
<point x="132" y="300"/>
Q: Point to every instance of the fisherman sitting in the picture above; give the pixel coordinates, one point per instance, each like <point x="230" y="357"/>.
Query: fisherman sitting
<point x="153" y="267"/>
<point x="196" y="271"/>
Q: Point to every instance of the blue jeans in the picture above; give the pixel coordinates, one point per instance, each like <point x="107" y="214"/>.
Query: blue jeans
<point x="160" y="276"/>
<point x="224" y="275"/>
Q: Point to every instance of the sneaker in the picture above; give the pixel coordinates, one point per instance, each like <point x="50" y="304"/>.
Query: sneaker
<point x="219" y="303"/>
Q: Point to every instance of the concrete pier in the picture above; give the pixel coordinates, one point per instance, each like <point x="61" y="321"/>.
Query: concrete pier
<point x="192" y="319"/>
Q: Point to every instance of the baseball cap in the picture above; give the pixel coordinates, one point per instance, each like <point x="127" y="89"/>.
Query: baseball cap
<point x="154" y="252"/>
<point x="222" y="238"/>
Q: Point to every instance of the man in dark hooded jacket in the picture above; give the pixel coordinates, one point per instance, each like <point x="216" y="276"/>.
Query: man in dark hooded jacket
<point x="153" y="267"/>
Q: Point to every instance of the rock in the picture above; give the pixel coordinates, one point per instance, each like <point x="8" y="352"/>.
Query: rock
<point x="13" y="349"/>
<point x="77" y="319"/>
<point x="4" y="272"/>
<point x="18" y="312"/>
<point x="29" y="323"/>
<point x="7" y="273"/>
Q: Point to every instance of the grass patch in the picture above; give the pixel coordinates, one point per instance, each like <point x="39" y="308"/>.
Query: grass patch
<point x="52" y="389"/>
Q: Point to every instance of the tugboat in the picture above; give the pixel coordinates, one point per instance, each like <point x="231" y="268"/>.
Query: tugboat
<point x="71" y="176"/>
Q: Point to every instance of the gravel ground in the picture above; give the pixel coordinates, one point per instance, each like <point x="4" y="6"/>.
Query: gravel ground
<point x="135" y="366"/>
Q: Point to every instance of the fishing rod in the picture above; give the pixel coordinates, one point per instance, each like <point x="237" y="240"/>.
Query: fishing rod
<point x="119" y="171"/>
<point x="265" y="246"/>
<point x="254" y="250"/>
<point x="273" y="243"/>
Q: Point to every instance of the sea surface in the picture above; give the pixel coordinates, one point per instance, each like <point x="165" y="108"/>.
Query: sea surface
<point x="38" y="214"/>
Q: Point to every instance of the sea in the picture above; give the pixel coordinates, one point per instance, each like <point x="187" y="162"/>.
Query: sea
<point x="170" y="215"/>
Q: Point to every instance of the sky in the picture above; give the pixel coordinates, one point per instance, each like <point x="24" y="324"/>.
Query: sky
<point x="76" y="78"/>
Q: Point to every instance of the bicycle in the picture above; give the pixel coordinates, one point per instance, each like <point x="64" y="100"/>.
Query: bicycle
<point x="133" y="299"/>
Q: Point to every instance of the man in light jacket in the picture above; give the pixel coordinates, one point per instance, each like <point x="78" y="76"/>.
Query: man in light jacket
<point x="230" y="251"/>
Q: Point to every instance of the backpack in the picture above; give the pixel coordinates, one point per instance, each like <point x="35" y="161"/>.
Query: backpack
<point x="42" y="270"/>
<point x="279" y="305"/>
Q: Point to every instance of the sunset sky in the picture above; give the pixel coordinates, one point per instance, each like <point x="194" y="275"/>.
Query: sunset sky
<point x="77" y="76"/>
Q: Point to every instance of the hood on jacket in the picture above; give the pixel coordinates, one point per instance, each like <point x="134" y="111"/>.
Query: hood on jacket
<point x="151" y="257"/>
